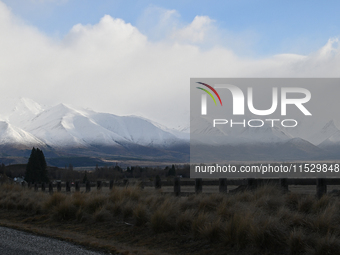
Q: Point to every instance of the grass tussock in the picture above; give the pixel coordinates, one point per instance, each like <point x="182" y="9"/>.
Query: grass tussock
<point x="65" y="211"/>
<point x="164" y="217"/>
<point x="266" y="219"/>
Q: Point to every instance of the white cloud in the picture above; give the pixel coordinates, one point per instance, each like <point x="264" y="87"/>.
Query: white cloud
<point x="157" y="23"/>
<point x="113" y="67"/>
<point x="195" y="32"/>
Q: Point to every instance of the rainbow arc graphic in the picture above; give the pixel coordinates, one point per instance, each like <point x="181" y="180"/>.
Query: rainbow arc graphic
<point x="204" y="97"/>
<point x="209" y="93"/>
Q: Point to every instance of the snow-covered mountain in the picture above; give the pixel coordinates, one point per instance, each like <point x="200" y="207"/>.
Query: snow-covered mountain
<point x="238" y="134"/>
<point x="265" y="134"/>
<point x="180" y="132"/>
<point x="24" y="110"/>
<point x="64" y="126"/>
<point x="328" y="132"/>
<point x="135" y="129"/>
<point x="333" y="140"/>
<point x="11" y="135"/>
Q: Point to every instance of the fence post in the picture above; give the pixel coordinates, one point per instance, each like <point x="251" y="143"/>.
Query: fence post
<point x="35" y="186"/>
<point x="23" y="184"/>
<point x="77" y="186"/>
<point x="321" y="187"/>
<point x="88" y="186"/>
<point x="58" y="186"/>
<point x="158" y="182"/>
<point x="111" y="184"/>
<point x="283" y="182"/>
<point x="126" y="182"/>
<point x="99" y="185"/>
<point x="43" y="186"/>
<point x="222" y="185"/>
<point x="198" y="185"/>
<point x="50" y="187"/>
<point x="68" y="187"/>
<point x="177" y="186"/>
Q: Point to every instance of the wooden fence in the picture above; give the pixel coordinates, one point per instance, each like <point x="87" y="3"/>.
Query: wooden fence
<point x="177" y="183"/>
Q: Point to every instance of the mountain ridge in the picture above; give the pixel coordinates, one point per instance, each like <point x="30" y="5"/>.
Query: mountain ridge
<point x="63" y="130"/>
<point x="66" y="131"/>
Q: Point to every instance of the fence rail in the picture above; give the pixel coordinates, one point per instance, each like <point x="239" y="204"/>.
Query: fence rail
<point x="177" y="183"/>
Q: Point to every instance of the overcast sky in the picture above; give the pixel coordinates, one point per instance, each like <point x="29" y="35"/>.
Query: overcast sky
<point x="137" y="57"/>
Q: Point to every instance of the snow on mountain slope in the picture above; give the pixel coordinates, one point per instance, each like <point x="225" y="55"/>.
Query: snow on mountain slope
<point x="181" y="133"/>
<point x="204" y="126"/>
<point x="299" y="148"/>
<point x="237" y="134"/>
<point x="24" y="110"/>
<point x="265" y="134"/>
<point x="11" y="135"/>
<point x="62" y="126"/>
<point x="134" y="129"/>
<point x="329" y="133"/>
<point x="333" y="140"/>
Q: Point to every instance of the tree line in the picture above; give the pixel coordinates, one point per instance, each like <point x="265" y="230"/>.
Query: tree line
<point x="36" y="170"/>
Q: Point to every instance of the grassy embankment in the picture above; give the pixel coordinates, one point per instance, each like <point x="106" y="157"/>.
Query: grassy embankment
<point x="134" y="221"/>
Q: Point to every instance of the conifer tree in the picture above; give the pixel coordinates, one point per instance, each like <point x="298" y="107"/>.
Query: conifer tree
<point x="36" y="168"/>
<point x="172" y="171"/>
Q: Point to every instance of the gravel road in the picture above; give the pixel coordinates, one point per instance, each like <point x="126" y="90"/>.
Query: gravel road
<point x="14" y="242"/>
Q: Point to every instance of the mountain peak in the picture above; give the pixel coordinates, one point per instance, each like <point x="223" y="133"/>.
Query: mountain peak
<point x="62" y="106"/>
<point x="330" y="125"/>
<point x="60" y="110"/>
<point x="27" y="104"/>
<point x="24" y="110"/>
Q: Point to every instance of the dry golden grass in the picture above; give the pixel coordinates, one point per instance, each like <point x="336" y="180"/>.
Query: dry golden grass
<point x="264" y="221"/>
